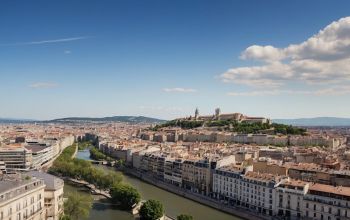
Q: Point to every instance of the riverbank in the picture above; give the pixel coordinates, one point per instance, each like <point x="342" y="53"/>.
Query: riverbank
<point x="239" y="212"/>
<point x="92" y="188"/>
<point x="174" y="204"/>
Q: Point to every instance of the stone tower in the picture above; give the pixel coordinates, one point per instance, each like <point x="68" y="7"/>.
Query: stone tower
<point x="196" y="114"/>
<point x="217" y="113"/>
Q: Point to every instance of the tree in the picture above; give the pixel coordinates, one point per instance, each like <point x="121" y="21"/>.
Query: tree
<point x="151" y="210"/>
<point x="77" y="206"/>
<point x="125" y="196"/>
<point x="184" y="217"/>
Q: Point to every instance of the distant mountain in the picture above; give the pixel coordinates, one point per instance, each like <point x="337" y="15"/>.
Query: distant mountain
<point x="14" y="120"/>
<point x="319" y="121"/>
<point x="127" y="119"/>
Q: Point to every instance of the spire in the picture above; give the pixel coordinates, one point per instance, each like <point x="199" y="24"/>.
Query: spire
<point x="196" y="114"/>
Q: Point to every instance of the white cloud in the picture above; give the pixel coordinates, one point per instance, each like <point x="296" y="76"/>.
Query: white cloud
<point x="266" y="53"/>
<point x="322" y="59"/>
<point x="60" y="40"/>
<point x="43" y="85"/>
<point x="67" y="52"/>
<point x="180" y="90"/>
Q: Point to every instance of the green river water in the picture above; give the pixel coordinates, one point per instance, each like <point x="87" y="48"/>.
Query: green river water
<point x="174" y="204"/>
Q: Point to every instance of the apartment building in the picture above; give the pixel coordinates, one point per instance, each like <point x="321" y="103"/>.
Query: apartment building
<point x="290" y="199"/>
<point x="197" y="174"/>
<point x="239" y="187"/>
<point x="226" y="184"/>
<point x="16" y="158"/>
<point x="315" y="173"/>
<point x="41" y="154"/>
<point x="22" y="199"/>
<point x="326" y="202"/>
<point x="173" y="171"/>
<point x="53" y="194"/>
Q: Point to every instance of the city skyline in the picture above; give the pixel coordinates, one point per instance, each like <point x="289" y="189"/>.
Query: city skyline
<point x="164" y="59"/>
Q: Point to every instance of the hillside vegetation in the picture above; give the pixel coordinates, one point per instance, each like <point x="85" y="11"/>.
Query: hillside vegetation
<point x="233" y="126"/>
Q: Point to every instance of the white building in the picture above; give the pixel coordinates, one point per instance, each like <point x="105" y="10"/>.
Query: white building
<point x="53" y="196"/>
<point x="22" y="199"/>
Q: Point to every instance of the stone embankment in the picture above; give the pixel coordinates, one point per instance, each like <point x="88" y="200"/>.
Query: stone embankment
<point x="93" y="189"/>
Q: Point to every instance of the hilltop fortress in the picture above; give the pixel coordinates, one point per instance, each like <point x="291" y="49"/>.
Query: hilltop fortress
<point x="238" y="117"/>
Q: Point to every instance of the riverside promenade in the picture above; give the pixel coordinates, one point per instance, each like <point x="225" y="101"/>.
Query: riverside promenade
<point x="236" y="211"/>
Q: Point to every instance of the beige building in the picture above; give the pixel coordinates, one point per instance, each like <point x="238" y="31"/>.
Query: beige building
<point x="22" y="199"/>
<point x="53" y="195"/>
<point x="263" y="166"/>
<point x="325" y="202"/>
<point x="290" y="198"/>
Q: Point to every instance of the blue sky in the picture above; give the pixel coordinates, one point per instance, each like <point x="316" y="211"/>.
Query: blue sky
<point x="165" y="58"/>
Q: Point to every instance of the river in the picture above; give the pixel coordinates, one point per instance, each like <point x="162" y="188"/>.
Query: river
<point x="173" y="204"/>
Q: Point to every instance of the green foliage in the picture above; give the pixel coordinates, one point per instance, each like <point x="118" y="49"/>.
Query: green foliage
<point x="234" y="126"/>
<point x="77" y="206"/>
<point x="120" y="163"/>
<point x="184" y="124"/>
<point x="80" y="169"/>
<point x="65" y="217"/>
<point x="184" y="217"/>
<point x="84" y="144"/>
<point x="125" y="196"/>
<point x="288" y="129"/>
<point x="151" y="210"/>
<point x="97" y="154"/>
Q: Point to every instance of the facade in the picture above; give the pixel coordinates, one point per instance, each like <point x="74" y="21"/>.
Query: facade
<point x="290" y="199"/>
<point x="41" y="154"/>
<point x="53" y="194"/>
<point x="16" y="158"/>
<point x="173" y="171"/>
<point x="327" y="202"/>
<point x="254" y="191"/>
<point x="22" y="199"/>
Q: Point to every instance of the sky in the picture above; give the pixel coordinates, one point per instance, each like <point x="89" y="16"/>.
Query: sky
<point x="163" y="58"/>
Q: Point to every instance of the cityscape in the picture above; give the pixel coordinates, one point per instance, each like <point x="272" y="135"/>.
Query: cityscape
<point x="175" y="110"/>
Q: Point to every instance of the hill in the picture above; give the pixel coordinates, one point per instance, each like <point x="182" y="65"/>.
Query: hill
<point x="14" y="120"/>
<point x="318" y="121"/>
<point x="126" y="119"/>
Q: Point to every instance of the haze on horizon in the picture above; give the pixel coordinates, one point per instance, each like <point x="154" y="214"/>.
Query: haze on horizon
<point x="163" y="59"/>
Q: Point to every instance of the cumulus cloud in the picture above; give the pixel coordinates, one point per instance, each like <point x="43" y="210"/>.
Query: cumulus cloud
<point x="265" y="53"/>
<point x="322" y="59"/>
<point x="43" y="85"/>
<point x="180" y="90"/>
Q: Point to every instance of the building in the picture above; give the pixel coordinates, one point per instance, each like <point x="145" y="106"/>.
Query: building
<point x="197" y="174"/>
<point x="290" y="198"/>
<point x="327" y="202"/>
<point x="41" y="154"/>
<point x="53" y="194"/>
<point x="22" y="198"/>
<point x="16" y="158"/>
<point x="254" y="191"/>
